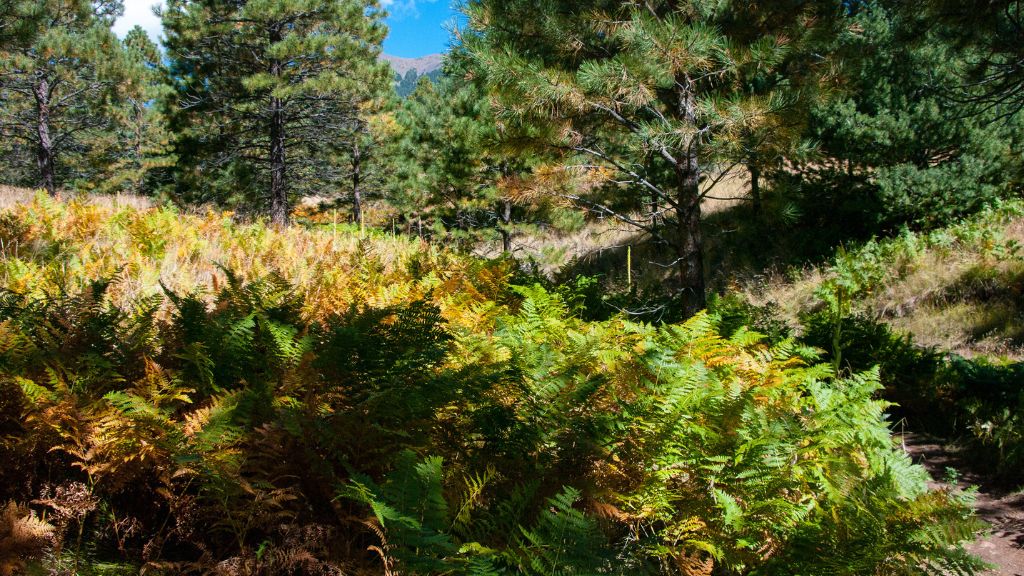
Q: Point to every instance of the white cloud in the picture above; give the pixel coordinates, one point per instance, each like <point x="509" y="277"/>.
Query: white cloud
<point x="403" y="8"/>
<point x="139" y="12"/>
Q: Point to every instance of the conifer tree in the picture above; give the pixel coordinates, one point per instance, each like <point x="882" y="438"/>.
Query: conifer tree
<point x="59" y="67"/>
<point x="359" y="162"/>
<point x="263" y="87"/>
<point x="653" y="94"/>
<point x="143" y="142"/>
<point x="452" y="168"/>
<point x="899" y="149"/>
<point x="991" y="32"/>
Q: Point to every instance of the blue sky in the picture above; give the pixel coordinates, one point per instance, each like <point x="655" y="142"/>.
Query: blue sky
<point x="418" y="27"/>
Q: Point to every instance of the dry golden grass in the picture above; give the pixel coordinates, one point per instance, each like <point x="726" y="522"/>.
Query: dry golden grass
<point x="13" y="196"/>
<point x="553" y="250"/>
<point x="964" y="298"/>
<point x="51" y="245"/>
<point x="726" y="191"/>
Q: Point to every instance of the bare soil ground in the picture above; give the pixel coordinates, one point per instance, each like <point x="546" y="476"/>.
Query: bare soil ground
<point x="1003" y="511"/>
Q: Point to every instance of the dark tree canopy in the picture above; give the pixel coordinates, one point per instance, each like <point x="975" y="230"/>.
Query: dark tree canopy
<point x="60" y="66"/>
<point x="262" y="89"/>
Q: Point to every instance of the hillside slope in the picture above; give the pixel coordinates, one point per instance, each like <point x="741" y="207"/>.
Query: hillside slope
<point x="422" y="65"/>
<point x="957" y="289"/>
<point x="324" y="400"/>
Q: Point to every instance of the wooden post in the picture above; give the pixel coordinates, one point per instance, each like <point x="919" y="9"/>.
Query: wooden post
<point x="629" y="267"/>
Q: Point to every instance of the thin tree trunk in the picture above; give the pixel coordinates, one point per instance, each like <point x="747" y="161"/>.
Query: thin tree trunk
<point x="357" y="193"/>
<point x="503" y="227"/>
<point x="140" y="118"/>
<point x="755" y="187"/>
<point x="689" y="243"/>
<point x="279" y="210"/>
<point x="44" y="151"/>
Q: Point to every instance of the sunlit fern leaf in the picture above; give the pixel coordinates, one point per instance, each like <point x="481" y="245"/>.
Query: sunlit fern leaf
<point x="563" y="541"/>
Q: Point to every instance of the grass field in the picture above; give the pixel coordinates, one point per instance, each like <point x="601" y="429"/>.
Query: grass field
<point x="957" y="289"/>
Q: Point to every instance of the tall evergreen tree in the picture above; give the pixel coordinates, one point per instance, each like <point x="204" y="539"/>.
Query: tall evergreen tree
<point x="652" y="93"/>
<point x="263" y="86"/>
<point x="143" y="141"/>
<point x="452" y="169"/>
<point x="59" y="68"/>
<point x="896" y="147"/>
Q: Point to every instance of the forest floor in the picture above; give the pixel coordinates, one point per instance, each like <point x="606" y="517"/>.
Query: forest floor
<point x="1002" y="510"/>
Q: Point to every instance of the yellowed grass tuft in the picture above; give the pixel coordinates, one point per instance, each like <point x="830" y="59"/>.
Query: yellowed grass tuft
<point x="13" y="196"/>
<point x="966" y="297"/>
<point x="51" y="246"/>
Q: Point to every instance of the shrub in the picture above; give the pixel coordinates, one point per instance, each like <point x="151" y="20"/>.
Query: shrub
<point x="539" y="443"/>
<point x="412" y="409"/>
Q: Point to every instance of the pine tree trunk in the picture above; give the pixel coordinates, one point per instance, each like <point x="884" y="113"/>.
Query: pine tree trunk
<point x="140" y="118"/>
<point x="357" y="193"/>
<point x="689" y="242"/>
<point x="44" y="151"/>
<point x="503" y="227"/>
<point x="755" y="187"/>
<point x="279" y="210"/>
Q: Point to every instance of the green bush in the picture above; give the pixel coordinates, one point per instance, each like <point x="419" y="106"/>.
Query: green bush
<point x="234" y="433"/>
<point x="989" y="408"/>
<point x="908" y="372"/>
<point x="976" y="401"/>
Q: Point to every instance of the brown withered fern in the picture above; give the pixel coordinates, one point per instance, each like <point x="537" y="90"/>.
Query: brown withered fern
<point x="23" y="537"/>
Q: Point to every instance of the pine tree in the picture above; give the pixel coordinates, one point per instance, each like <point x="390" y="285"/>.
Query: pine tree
<point x="899" y="149"/>
<point x="653" y="94"/>
<point x="59" y="67"/>
<point x="359" y="159"/>
<point x="452" y="168"/>
<point x="406" y="84"/>
<point x="992" y="34"/>
<point x="143" y="142"/>
<point x="263" y="87"/>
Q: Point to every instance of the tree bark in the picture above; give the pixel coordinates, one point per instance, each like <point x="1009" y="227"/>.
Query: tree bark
<point x="44" y="145"/>
<point x="279" y="209"/>
<point x="503" y="227"/>
<point x="689" y="242"/>
<point x="140" y="118"/>
<point x="357" y="193"/>
<point x="755" y="187"/>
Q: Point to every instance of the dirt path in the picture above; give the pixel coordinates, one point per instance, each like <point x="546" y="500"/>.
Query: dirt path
<point x="1003" y="511"/>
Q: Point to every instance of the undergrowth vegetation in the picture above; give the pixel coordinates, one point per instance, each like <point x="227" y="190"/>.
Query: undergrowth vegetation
<point x="235" y="400"/>
<point x="52" y="247"/>
<point x="938" y="312"/>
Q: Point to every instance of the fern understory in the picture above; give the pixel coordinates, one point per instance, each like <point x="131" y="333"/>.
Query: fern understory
<point x="938" y="312"/>
<point x="191" y="395"/>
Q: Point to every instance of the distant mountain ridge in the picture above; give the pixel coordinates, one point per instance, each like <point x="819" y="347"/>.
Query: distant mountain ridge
<point x="422" y="65"/>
